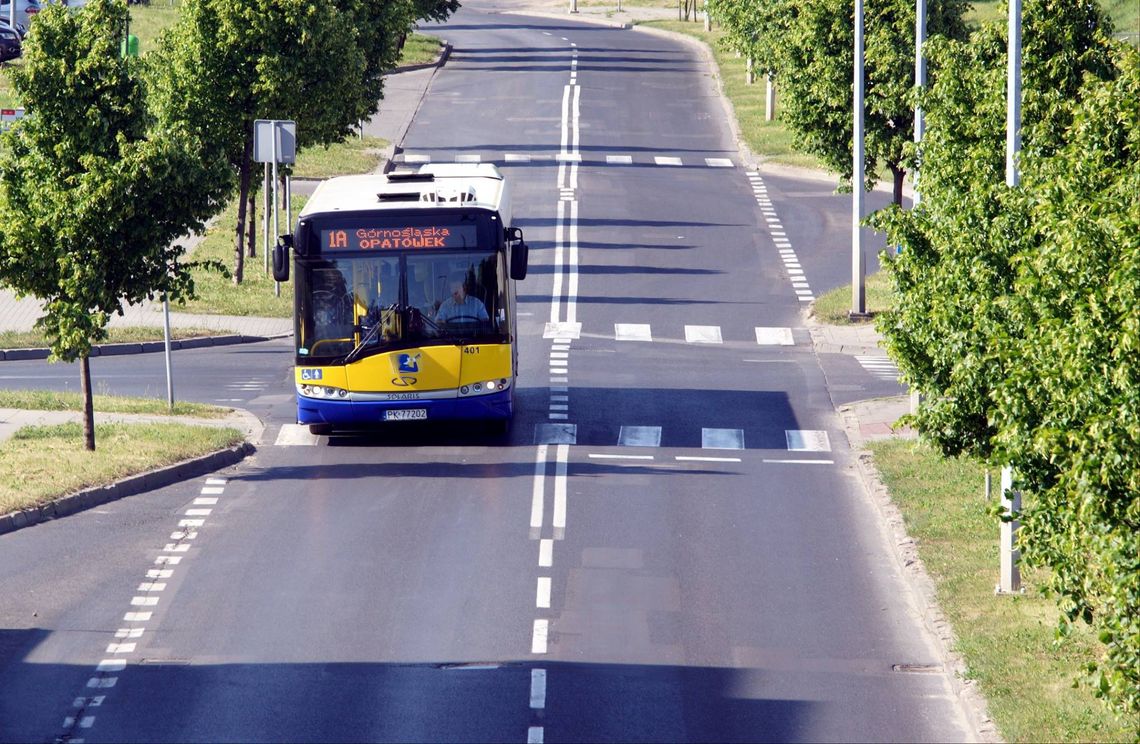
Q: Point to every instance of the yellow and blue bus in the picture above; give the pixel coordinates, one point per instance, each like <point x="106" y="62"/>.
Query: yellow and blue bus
<point x="404" y="298"/>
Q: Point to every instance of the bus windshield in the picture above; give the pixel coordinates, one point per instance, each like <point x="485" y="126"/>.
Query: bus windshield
<point x="350" y="306"/>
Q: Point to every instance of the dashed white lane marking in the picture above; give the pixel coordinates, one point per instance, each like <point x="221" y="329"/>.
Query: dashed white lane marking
<point x="101" y="683"/>
<point x="540" y="635"/>
<point x="111" y="665"/>
<point x="173" y="560"/>
<point x="559" y="354"/>
<point x="703" y="334"/>
<point x="619" y="159"/>
<point x="545" y="552"/>
<point x="774" y="336"/>
<point x="152" y="586"/>
<point x="542" y="593"/>
<point x="718" y="162"/>
<point x="120" y="648"/>
<point x="516" y="157"/>
<point x="547" y="33"/>
<point x="534" y="735"/>
<point x="211" y="490"/>
<point x="537" y="689"/>
<point x="730" y="439"/>
<point x="696" y="458"/>
<point x="137" y="617"/>
<point x="134" y="633"/>
<point x="604" y="456"/>
<point x="206" y="501"/>
<point x="198" y="512"/>
<point x="469" y="158"/>
<point x="807" y="440"/>
<point x="191" y="523"/>
<point x="412" y="157"/>
<point x="632" y="332"/>
<point x="216" y="481"/>
<point x="144" y="601"/>
<point x="569" y="157"/>
<point x="667" y="160"/>
<point x="639" y="436"/>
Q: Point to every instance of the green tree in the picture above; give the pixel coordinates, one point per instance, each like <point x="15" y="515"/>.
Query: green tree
<point x="1066" y="411"/>
<point x="227" y="63"/>
<point x="93" y="192"/>
<point x="815" y="65"/>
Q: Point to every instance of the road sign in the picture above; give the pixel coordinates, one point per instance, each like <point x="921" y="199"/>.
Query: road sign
<point x="274" y="140"/>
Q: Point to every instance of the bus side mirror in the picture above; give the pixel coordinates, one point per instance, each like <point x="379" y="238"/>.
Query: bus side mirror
<point x="520" y="253"/>
<point x="281" y="258"/>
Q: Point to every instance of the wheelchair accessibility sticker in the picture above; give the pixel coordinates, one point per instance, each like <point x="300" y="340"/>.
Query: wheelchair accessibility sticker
<point x="310" y="374"/>
<point x="409" y="363"/>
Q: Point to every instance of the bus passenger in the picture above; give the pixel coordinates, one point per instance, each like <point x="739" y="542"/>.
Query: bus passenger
<point x="460" y="305"/>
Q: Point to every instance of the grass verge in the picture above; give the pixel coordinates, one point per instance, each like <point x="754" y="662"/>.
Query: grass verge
<point x="127" y="335"/>
<point x="41" y="463"/>
<point x="1008" y="642"/>
<point x="833" y="307"/>
<point x="354" y="155"/>
<point x="47" y="400"/>
<point x="254" y="297"/>
<point x="419" y="49"/>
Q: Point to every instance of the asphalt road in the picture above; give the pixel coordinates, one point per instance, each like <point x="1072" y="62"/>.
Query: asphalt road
<point x="670" y="545"/>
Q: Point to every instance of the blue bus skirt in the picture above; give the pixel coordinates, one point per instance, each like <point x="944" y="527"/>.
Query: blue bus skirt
<point x="496" y="406"/>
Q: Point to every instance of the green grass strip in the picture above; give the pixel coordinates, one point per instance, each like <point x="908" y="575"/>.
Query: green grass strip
<point x="126" y="335"/>
<point x="833" y="307"/>
<point x="1008" y="643"/>
<point x="41" y="463"/>
<point x="47" y="400"/>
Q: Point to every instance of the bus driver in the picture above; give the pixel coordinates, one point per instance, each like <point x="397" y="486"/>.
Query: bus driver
<point x="460" y="305"/>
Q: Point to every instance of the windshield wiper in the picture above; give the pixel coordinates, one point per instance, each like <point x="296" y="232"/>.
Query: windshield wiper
<point x="353" y="355"/>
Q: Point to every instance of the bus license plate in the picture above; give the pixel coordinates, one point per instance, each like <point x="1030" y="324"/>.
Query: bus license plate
<point x="407" y="414"/>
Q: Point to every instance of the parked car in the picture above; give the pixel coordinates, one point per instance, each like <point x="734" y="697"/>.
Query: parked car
<point x="10" y="44"/>
<point x="25" y="11"/>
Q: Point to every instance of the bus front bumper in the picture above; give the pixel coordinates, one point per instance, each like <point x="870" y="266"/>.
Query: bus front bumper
<point x="495" y="406"/>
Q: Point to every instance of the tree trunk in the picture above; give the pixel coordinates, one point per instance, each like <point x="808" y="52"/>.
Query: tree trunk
<point x="243" y="195"/>
<point x="251" y="218"/>
<point x="899" y="174"/>
<point x="88" y="408"/>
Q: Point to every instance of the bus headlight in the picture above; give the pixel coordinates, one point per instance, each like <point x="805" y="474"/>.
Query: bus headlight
<point x="483" y="386"/>
<point x="321" y="391"/>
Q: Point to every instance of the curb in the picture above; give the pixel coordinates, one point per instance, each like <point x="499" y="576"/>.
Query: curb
<point x="913" y="570"/>
<point x="135" y="484"/>
<point x="144" y="347"/>
<point x="396" y="147"/>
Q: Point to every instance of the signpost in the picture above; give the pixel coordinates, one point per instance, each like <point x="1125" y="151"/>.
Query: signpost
<point x="274" y="141"/>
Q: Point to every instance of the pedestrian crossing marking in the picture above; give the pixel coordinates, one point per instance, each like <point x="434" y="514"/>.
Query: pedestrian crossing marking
<point x="729" y="439"/>
<point x="469" y="158"/>
<point x="703" y="334"/>
<point x="879" y="366"/>
<point x="639" y="436"/>
<point x="718" y="162"/>
<point x="667" y="160"/>
<point x="632" y="332"/>
<point x="516" y="157"/>
<point x="294" y="435"/>
<point x="774" y="336"/>
<point x="619" y="159"/>
<point x="556" y="434"/>
<point x="807" y="440"/>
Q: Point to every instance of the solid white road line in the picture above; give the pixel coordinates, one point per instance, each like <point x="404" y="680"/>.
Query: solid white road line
<point x="561" y="455"/>
<point x="572" y="263"/>
<point x="556" y="293"/>
<point x="539" y="493"/>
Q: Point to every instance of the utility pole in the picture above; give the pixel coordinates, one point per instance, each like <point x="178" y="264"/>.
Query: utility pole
<point x="1010" y="579"/>
<point x="919" y="81"/>
<point x="858" y="264"/>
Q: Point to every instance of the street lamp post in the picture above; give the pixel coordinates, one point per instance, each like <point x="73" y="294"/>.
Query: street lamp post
<point x="919" y="81"/>
<point x="858" y="264"/>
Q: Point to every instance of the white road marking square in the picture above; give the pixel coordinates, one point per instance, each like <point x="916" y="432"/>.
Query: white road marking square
<point x="639" y="436"/>
<point x="703" y="334"/>
<point x="412" y="157"/>
<point x="469" y="157"/>
<point x="632" y="332"/>
<point x="294" y="435"/>
<point x="516" y="157"/>
<point x="774" y="336"/>
<point x="619" y="159"/>
<point x="730" y="439"/>
<point x="562" y="330"/>
<point x="534" y="735"/>
<point x="807" y="440"/>
<point x="718" y="162"/>
<point x="556" y="434"/>
<point x="569" y="157"/>
<point x="667" y="160"/>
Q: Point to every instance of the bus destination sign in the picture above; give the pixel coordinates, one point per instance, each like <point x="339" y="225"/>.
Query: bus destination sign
<point x="396" y="238"/>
